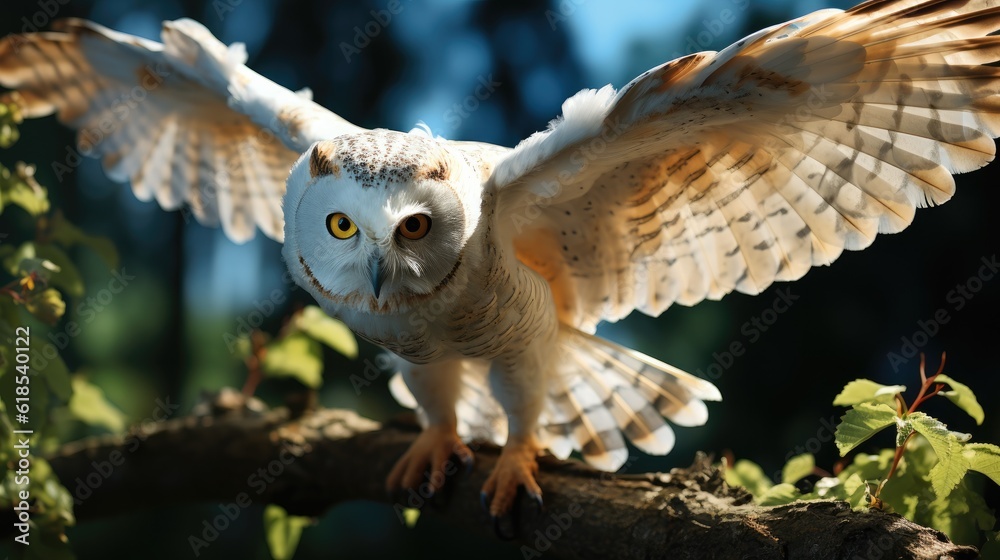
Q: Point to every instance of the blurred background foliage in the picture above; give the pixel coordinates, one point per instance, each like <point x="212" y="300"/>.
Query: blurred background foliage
<point x="165" y="336"/>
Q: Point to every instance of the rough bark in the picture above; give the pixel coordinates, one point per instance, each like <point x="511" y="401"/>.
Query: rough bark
<point x="329" y="456"/>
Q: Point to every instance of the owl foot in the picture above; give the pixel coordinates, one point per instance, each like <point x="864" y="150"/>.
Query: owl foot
<point x="434" y="449"/>
<point x="517" y="466"/>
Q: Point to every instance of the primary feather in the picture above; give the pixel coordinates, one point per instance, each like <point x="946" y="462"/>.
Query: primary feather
<point x="727" y="171"/>
<point x="184" y="120"/>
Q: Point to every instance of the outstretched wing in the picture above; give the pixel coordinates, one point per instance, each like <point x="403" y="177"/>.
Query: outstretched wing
<point x="184" y="120"/>
<point x="727" y="171"/>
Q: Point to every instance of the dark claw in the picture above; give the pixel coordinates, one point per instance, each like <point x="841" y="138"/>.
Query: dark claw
<point x="498" y="528"/>
<point x="484" y="500"/>
<point x="537" y="500"/>
<point x="469" y="462"/>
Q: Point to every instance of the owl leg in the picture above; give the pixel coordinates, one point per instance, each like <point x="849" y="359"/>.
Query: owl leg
<point x="519" y="385"/>
<point x="436" y="388"/>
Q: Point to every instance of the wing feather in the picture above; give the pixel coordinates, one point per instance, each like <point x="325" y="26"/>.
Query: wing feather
<point x="727" y="171"/>
<point x="184" y="121"/>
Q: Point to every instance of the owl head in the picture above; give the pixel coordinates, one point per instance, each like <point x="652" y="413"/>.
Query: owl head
<point x="377" y="218"/>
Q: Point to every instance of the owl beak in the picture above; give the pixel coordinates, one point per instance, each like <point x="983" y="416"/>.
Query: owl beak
<point x="377" y="273"/>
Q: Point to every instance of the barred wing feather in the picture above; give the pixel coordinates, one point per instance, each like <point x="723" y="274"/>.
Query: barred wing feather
<point x="722" y="172"/>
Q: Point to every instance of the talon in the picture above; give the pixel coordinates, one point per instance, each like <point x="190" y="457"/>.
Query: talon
<point x="516" y="467"/>
<point x="468" y="461"/>
<point x="536" y="500"/>
<point x="427" y="460"/>
<point x="484" y="501"/>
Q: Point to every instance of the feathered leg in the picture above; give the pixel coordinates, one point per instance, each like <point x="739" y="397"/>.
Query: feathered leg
<point x="518" y="383"/>
<point x="436" y="387"/>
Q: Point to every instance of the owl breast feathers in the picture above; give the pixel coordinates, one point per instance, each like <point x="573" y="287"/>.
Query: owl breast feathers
<point x="487" y="269"/>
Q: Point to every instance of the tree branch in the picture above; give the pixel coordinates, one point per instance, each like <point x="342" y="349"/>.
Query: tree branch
<point x="324" y="457"/>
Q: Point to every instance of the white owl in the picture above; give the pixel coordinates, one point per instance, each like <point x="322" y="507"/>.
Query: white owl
<point x="487" y="269"/>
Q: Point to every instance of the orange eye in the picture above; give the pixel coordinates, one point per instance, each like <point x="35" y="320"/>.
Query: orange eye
<point x="415" y="227"/>
<point x="340" y="226"/>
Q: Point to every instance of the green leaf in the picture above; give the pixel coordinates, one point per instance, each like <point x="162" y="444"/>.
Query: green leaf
<point x="963" y="397"/>
<point x="320" y="326"/>
<point x="10" y="117"/>
<point x="855" y="488"/>
<point x="47" y="306"/>
<point x="952" y="465"/>
<point x="778" y="495"/>
<point x="910" y="503"/>
<point x="89" y="405"/>
<point x="55" y="373"/>
<point x="862" y="422"/>
<point x="946" y="475"/>
<point x="937" y="433"/>
<point x="9" y="316"/>
<point x="904" y="430"/>
<point x="984" y="458"/>
<point x="21" y="189"/>
<point x="410" y="517"/>
<point x="797" y="468"/>
<point x="749" y="475"/>
<point x="53" y="502"/>
<point x="295" y="355"/>
<point x="68" y="276"/>
<point x="68" y="235"/>
<point x="828" y="487"/>
<point x="963" y="515"/>
<point x="13" y="257"/>
<point x="283" y="531"/>
<point x="25" y="260"/>
<point x="866" y="390"/>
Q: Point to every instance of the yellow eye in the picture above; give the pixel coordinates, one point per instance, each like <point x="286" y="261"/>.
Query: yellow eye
<point x="340" y="226"/>
<point x="415" y="227"/>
